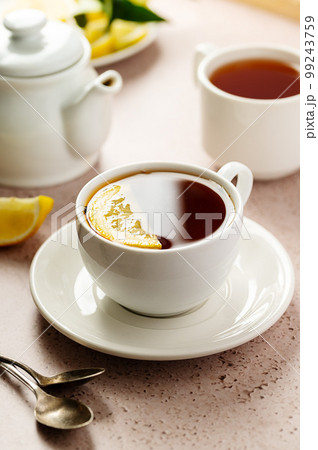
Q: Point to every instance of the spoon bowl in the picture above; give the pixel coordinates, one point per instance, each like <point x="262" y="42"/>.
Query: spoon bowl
<point x="61" y="413"/>
<point x="54" y="412"/>
<point x="70" y="376"/>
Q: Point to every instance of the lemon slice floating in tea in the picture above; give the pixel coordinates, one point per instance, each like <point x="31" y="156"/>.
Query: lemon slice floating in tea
<point x="20" y="218"/>
<point x="111" y="216"/>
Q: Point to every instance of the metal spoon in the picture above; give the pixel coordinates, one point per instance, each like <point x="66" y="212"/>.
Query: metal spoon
<point x="55" y="412"/>
<point x="70" y="376"/>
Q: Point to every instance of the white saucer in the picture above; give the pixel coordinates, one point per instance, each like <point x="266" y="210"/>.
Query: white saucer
<point x="256" y="293"/>
<point x="127" y="52"/>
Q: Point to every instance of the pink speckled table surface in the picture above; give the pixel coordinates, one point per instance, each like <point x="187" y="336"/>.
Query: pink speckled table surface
<point x="245" y="398"/>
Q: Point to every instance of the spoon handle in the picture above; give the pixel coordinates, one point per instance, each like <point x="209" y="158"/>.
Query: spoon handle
<point x="28" y="369"/>
<point x="20" y="376"/>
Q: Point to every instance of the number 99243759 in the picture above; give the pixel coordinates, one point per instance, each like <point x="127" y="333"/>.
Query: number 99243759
<point x="309" y="47"/>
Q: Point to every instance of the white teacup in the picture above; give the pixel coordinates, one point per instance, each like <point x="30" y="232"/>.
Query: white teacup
<point x="164" y="282"/>
<point x="263" y="134"/>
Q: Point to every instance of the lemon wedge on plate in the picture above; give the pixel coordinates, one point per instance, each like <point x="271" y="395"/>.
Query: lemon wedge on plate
<point x="140" y="2"/>
<point x="122" y="34"/>
<point x="103" y="46"/>
<point x="20" y="218"/>
<point x="127" y="33"/>
<point x="95" y="29"/>
<point x="110" y="214"/>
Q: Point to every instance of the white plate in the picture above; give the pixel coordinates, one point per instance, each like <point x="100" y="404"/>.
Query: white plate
<point x="128" y="51"/>
<point x="112" y="57"/>
<point x="256" y="293"/>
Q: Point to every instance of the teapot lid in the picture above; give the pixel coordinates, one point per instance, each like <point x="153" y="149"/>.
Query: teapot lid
<point x="31" y="46"/>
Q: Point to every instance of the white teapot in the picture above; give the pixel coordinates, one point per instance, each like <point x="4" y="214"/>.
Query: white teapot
<point x="54" y="108"/>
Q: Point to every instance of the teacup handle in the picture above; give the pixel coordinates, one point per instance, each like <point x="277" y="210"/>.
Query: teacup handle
<point x="201" y="51"/>
<point x="244" y="178"/>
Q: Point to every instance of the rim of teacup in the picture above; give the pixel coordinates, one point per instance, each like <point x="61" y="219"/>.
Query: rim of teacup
<point x="123" y="171"/>
<point x="205" y="69"/>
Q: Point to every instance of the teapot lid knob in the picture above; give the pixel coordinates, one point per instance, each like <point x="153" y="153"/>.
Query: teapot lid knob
<point x="25" y="22"/>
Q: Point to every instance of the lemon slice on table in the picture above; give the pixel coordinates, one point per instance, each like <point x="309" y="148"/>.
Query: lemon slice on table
<point x="20" y="218"/>
<point x="111" y="216"/>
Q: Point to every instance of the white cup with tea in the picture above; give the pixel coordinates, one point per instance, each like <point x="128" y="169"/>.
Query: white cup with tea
<point x="182" y="253"/>
<point x="250" y="106"/>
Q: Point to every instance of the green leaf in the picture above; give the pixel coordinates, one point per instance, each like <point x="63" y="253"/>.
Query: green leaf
<point x="108" y="7"/>
<point x="125" y="10"/>
<point x="81" y="20"/>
